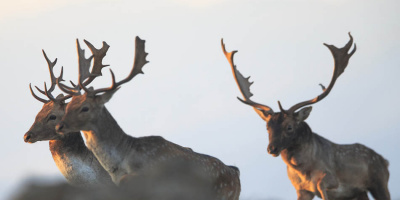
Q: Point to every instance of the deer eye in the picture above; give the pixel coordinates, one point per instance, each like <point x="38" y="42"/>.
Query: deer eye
<point x="52" y="117"/>
<point x="289" y="128"/>
<point x="85" y="109"/>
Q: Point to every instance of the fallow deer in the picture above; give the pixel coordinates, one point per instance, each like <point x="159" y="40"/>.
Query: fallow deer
<point x="78" y="165"/>
<point x="125" y="156"/>
<point x="315" y="165"/>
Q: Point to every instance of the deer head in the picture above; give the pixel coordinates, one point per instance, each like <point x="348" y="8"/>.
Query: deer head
<point x="85" y="108"/>
<point x="54" y="108"/>
<point x="286" y="128"/>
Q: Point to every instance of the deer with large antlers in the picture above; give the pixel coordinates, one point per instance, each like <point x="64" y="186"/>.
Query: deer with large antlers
<point x="78" y="165"/>
<point x="315" y="165"/>
<point x="123" y="155"/>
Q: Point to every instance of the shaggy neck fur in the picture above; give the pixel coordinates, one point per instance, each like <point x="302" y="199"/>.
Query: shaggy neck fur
<point x="303" y="148"/>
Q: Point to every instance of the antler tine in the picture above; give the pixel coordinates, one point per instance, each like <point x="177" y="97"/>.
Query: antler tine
<point x="73" y="84"/>
<point x="112" y="87"/>
<point x="341" y="59"/>
<point x="281" y="108"/>
<point x="41" y="91"/>
<point x="243" y="83"/>
<point x="48" y="94"/>
<point x="64" y="88"/>
<point x="139" y="62"/>
<point x="36" y="97"/>
<point x="322" y="87"/>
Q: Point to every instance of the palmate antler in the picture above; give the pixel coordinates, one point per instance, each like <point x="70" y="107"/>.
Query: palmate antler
<point x="139" y="62"/>
<point x="244" y="85"/>
<point x="84" y="66"/>
<point x="341" y="59"/>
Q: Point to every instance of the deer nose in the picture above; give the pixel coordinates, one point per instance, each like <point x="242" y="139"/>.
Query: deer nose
<point x="27" y="136"/>
<point x="272" y="149"/>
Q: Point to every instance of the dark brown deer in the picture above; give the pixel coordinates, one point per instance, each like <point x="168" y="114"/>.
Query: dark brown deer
<point x="125" y="156"/>
<point x="315" y="165"/>
<point x="78" y="165"/>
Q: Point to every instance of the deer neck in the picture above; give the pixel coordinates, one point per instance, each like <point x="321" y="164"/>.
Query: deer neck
<point x="108" y="142"/>
<point x="76" y="162"/>
<point x="105" y="131"/>
<point x="71" y="144"/>
<point x="302" y="150"/>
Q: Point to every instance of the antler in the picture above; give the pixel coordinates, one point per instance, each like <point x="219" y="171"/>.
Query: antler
<point x="139" y="62"/>
<point x="244" y="84"/>
<point x="98" y="55"/>
<point x="84" y="65"/>
<point x="52" y="77"/>
<point x="36" y="97"/>
<point x="53" y="84"/>
<point x="341" y="58"/>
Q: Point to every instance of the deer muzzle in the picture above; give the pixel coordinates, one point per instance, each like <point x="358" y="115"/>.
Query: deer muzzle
<point x="274" y="151"/>
<point x="28" y="136"/>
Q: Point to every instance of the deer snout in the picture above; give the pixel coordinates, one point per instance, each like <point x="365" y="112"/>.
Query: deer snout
<point x="27" y="136"/>
<point x="273" y="150"/>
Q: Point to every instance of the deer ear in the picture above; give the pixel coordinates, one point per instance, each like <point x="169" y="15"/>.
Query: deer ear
<point x="104" y="98"/>
<point x="59" y="96"/>
<point x="303" y="113"/>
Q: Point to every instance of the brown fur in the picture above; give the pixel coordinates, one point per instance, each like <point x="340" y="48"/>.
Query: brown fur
<point x="78" y="165"/>
<point x="122" y="155"/>
<point x="315" y="165"/>
<point x="319" y="167"/>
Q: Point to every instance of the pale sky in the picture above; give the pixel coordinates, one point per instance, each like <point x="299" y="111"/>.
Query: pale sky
<point x="188" y="94"/>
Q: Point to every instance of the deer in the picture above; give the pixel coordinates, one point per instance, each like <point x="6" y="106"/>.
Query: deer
<point x="315" y="165"/>
<point x="77" y="164"/>
<point x="123" y="156"/>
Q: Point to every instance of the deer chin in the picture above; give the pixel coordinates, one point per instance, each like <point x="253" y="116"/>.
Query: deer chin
<point x="275" y="154"/>
<point x="63" y="133"/>
<point x="29" y="138"/>
<point x="31" y="141"/>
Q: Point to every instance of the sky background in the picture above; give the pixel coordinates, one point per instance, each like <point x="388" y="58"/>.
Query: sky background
<point x="188" y="94"/>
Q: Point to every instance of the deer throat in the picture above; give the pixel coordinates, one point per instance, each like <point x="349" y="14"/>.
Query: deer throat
<point x="75" y="168"/>
<point x="91" y="139"/>
<point x="77" y="164"/>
